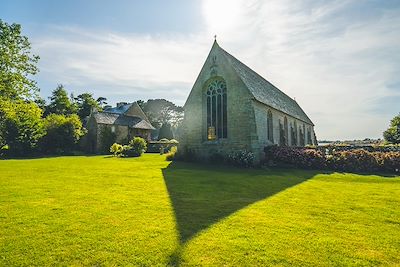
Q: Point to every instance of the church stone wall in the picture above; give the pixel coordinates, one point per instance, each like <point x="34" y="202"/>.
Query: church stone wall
<point x="240" y="114"/>
<point x="261" y="111"/>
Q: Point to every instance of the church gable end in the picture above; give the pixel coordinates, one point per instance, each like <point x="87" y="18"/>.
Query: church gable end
<point x="232" y="108"/>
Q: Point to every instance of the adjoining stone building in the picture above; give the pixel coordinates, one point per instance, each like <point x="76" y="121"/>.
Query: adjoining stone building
<point x="125" y="121"/>
<point x="231" y="108"/>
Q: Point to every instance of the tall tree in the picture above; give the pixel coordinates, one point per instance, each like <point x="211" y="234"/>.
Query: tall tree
<point x="17" y="64"/>
<point x="62" y="133"/>
<point x="60" y="103"/>
<point x="86" y="103"/>
<point x="161" y="111"/>
<point x="392" y="134"/>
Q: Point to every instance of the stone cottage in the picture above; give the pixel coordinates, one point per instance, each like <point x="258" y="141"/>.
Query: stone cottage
<point x="124" y="121"/>
<point x="231" y="108"/>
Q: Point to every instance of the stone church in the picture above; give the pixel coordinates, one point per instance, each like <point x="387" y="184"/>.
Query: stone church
<point x="231" y="108"/>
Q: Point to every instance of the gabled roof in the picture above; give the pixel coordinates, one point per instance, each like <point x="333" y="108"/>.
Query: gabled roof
<point x="127" y="115"/>
<point x="263" y="91"/>
<point x="121" y="119"/>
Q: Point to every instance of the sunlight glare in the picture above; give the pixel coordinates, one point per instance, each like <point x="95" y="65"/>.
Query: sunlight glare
<point x="220" y="15"/>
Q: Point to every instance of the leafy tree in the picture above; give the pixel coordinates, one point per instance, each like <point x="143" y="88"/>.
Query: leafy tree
<point x="101" y="101"/>
<point x="85" y="103"/>
<point x="165" y="132"/>
<point x="160" y="111"/>
<point x="60" y="103"/>
<point x="17" y="64"/>
<point x="62" y="133"/>
<point x="20" y="126"/>
<point x="392" y="134"/>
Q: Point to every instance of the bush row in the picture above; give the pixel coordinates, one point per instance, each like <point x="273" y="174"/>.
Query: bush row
<point x="369" y="148"/>
<point x="240" y="158"/>
<point x="357" y="160"/>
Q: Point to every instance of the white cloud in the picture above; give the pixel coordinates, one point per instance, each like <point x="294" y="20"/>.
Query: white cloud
<point x="338" y="67"/>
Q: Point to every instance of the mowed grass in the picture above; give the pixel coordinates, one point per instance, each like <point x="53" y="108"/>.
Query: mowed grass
<point x="102" y="211"/>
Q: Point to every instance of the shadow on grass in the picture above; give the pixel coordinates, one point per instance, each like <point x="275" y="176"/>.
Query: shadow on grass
<point x="202" y="195"/>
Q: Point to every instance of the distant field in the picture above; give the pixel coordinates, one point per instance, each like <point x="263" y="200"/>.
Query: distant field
<point x="149" y="212"/>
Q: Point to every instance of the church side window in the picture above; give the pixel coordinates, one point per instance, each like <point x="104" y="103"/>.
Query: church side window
<point x="270" y="129"/>
<point x="216" y="110"/>
<point x="286" y="132"/>
<point x="301" y="137"/>
<point x="309" y="139"/>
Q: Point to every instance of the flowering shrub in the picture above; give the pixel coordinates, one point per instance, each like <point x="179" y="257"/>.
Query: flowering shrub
<point x="302" y="158"/>
<point x="241" y="158"/>
<point x="116" y="149"/>
<point x="357" y="160"/>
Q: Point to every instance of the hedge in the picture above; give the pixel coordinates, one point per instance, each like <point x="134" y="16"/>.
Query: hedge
<point x="356" y="160"/>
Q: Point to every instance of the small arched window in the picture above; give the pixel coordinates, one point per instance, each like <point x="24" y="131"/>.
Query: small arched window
<point x="216" y="110"/>
<point x="270" y="129"/>
<point x="294" y="142"/>
<point x="309" y="139"/>
<point x="301" y="136"/>
<point x="286" y="131"/>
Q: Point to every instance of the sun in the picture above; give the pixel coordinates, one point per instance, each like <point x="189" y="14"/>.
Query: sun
<point x="221" y="15"/>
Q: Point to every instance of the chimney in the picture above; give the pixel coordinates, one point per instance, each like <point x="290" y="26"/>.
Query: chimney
<point x="120" y="104"/>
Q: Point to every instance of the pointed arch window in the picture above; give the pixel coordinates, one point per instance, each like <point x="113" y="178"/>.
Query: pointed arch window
<point x="216" y="110"/>
<point x="286" y="132"/>
<point x="270" y="129"/>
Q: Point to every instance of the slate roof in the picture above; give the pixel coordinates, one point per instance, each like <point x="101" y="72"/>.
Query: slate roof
<point x="119" y="110"/>
<point x="121" y="119"/>
<point x="265" y="92"/>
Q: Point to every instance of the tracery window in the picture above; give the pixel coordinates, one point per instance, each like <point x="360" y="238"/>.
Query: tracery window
<point x="270" y="129"/>
<point x="216" y="110"/>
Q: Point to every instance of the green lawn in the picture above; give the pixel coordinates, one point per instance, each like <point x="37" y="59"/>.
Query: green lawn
<point x="149" y="212"/>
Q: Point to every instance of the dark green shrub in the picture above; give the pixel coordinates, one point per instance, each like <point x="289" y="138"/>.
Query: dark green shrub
<point x="242" y="158"/>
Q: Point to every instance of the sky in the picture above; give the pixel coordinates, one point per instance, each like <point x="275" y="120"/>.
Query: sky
<point x="340" y="59"/>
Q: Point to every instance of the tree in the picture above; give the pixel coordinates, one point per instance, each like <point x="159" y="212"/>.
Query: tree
<point x="17" y="64"/>
<point x="392" y="134"/>
<point x="60" y="103"/>
<point x="85" y="103"/>
<point x="101" y="101"/>
<point x="62" y="133"/>
<point x="21" y="126"/>
<point x="165" y="132"/>
<point x="160" y="111"/>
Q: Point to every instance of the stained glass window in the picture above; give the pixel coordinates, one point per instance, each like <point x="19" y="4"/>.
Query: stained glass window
<point x="216" y="110"/>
